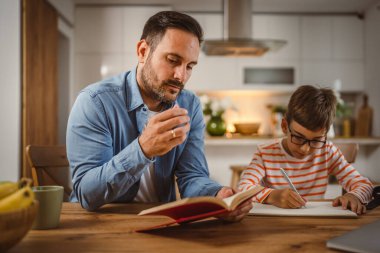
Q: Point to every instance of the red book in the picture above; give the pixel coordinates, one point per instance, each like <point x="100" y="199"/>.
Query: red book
<point x="197" y="208"/>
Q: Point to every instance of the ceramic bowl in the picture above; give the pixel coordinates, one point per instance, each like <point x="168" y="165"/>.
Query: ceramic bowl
<point x="247" y="128"/>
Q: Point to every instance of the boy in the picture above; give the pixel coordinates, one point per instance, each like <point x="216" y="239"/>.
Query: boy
<point x="306" y="156"/>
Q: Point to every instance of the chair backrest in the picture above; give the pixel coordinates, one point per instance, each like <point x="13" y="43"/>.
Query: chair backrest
<point x="50" y="166"/>
<point x="349" y="151"/>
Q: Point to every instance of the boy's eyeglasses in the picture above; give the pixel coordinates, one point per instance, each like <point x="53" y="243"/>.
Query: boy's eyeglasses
<point x="298" y="140"/>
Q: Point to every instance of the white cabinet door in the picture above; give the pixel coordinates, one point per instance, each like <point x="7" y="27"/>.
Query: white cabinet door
<point x="212" y="72"/>
<point x="324" y="73"/>
<point x="332" y="48"/>
<point x="212" y="25"/>
<point x="316" y="37"/>
<point x="134" y="19"/>
<point x="348" y="37"/>
<point x="281" y="28"/>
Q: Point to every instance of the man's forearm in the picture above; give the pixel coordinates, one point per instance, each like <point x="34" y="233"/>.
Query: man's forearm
<point x="96" y="186"/>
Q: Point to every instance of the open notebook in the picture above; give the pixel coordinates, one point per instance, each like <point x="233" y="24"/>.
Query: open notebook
<point x="318" y="209"/>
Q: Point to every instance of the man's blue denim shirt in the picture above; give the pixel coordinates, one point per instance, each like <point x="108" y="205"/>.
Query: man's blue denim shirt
<point x="106" y="160"/>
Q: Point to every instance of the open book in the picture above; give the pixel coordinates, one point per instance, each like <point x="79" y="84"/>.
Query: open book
<point x="197" y="208"/>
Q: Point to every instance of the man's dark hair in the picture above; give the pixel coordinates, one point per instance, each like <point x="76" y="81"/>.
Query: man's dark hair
<point x="157" y="25"/>
<point x="313" y="108"/>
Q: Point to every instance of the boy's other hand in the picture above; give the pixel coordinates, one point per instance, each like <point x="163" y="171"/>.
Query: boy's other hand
<point x="240" y="212"/>
<point x="285" y="198"/>
<point x="350" y="201"/>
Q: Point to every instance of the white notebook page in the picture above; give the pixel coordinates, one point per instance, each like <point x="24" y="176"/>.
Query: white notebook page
<point x="324" y="208"/>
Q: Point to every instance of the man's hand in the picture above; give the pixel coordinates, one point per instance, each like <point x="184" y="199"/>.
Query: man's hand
<point x="349" y="200"/>
<point x="285" y="198"/>
<point x="241" y="211"/>
<point x="164" y="131"/>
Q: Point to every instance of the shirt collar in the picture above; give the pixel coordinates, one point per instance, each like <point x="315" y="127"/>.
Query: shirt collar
<point x="134" y="99"/>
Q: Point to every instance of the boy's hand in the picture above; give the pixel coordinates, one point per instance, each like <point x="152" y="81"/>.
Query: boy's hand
<point x="285" y="198"/>
<point x="240" y="212"/>
<point x="349" y="200"/>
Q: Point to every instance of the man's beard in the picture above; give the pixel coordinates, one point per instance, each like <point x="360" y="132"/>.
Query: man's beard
<point x="149" y="78"/>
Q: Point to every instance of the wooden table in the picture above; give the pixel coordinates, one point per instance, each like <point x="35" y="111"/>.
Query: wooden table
<point x="111" y="230"/>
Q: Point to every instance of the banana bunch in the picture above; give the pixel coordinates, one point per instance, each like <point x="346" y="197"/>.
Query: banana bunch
<point x="15" y="196"/>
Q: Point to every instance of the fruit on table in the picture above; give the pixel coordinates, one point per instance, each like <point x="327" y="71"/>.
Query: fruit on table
<point x="15" y="195"/>
<point x="7" y="188"/>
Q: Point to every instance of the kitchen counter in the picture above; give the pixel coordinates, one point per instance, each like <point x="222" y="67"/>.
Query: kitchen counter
<point x="241" y="140"/>
<point x="224" y="152"/>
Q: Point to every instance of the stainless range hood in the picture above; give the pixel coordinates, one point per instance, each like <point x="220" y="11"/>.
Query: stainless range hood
<point x="237" y="22"/>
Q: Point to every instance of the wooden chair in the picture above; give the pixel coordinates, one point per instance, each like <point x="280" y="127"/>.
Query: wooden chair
<point x="236" y="173"/>
<point x="349" y="150"/>
<point x="50" y="166"/>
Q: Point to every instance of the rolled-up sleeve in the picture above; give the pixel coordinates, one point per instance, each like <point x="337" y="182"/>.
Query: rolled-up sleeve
<point x="99" y="176"/>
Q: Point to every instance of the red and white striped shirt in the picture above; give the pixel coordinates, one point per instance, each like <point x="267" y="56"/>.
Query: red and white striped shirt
<point x="309" y="175"/>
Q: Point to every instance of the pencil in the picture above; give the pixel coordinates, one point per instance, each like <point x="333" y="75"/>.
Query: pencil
<point x="289" y="182"/>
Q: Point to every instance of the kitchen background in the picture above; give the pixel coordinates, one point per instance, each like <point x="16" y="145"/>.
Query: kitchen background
<point x="333" y="43"/>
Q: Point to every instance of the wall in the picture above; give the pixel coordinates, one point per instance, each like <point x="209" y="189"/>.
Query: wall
<point x="372" y="62"/>
<point x="372" y="76"/>
<point x="10" y="97"/>
<point x="65" y="8"/>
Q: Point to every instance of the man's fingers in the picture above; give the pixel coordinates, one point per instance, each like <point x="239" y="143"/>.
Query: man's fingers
<point x="246" y="206"/>
<point x="172" y="123"/>
<point x="168" y="114"/>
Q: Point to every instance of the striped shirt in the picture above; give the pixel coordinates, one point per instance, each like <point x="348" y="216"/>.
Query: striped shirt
<point x="309" y="175"/>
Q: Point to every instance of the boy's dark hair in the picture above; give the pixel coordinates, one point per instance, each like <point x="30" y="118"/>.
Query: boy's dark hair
<point x="313" y="108"/>
<point x="157" y="25"/>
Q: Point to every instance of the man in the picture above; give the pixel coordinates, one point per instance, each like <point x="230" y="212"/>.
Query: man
<point x="129" y="135"/>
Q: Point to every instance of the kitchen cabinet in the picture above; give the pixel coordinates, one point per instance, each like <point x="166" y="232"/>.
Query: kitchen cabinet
<point x="270" y="64"/>
<point x="320" y="49"/>
<point x="278" y="27"/>
<point x="324" y="73"/>
<point x="106" y="39"/>
<point x="227" y="73"/>
<point x="212" y="24"/>
<point x="348" y="38"/>
<point x="332" y="48"/>
<point x="213" y="72"/>
<point x="316" y="38"/>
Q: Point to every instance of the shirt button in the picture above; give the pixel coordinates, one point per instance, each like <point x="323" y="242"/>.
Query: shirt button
<point x="144" y="109"/>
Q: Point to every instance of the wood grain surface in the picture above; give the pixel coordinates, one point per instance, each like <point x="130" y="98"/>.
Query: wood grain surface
<point x="111" y="229"/>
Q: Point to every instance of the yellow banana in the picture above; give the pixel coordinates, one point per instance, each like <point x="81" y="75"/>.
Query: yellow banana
<point x="7" y="188"/>
<point x="19" y="199"/>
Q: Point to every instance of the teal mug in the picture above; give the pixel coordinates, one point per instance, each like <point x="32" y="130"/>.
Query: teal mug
<point x="50" y="200"/>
